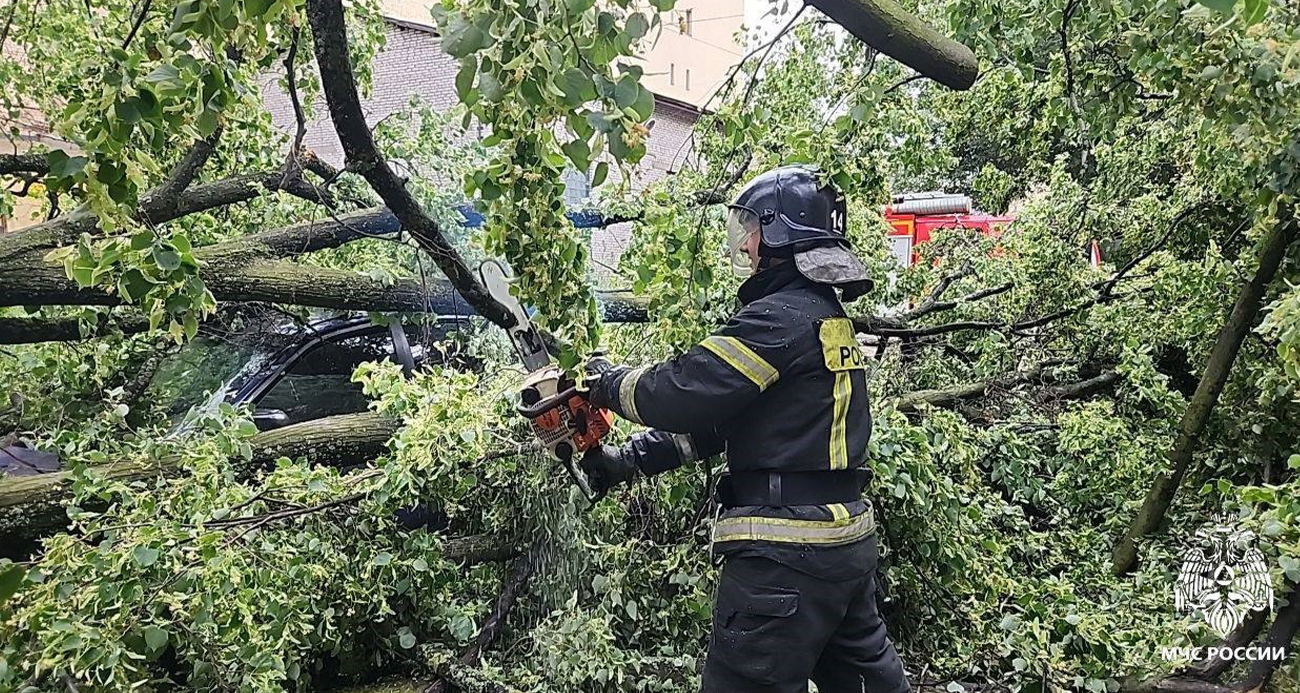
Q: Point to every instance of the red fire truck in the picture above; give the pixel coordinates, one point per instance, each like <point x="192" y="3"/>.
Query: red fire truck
<point x="914" y="217"/>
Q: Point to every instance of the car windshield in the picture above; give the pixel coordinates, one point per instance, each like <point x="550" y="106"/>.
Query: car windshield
<point x="204" y="366"/>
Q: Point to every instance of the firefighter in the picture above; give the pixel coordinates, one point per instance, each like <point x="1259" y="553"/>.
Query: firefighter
<point x="782" y="389"/>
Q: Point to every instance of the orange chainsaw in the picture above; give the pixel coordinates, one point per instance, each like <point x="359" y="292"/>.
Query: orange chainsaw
<point x="561" y="417"/>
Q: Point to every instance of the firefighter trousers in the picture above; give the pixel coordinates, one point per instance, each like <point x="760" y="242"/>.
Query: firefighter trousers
<point x="775" y="628"/>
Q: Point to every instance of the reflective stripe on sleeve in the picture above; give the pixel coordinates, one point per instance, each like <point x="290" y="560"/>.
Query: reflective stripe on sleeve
<point x="685" y="447"/>
<point x="839" y="531"/>
<point x="627" y="394"/>
<point x="743" y="359"/>
<point x="839" y="452"/>
<point x="838" y="511"/>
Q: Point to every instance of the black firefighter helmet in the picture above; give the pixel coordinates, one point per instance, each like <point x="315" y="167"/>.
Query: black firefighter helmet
<point x="801" y="218"/>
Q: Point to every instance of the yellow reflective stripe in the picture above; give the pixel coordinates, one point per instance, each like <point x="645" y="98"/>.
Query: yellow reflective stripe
<point x="839" y="454"/>
<point x="840" y="531"/>
<point x="838" y="511"/>
<point x="743" y="359"/>
<point x="627" y="394"/>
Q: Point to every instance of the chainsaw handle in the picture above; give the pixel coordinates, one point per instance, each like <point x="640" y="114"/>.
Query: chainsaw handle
<point x="533" y="411"/>
<point x="582" y="481"/>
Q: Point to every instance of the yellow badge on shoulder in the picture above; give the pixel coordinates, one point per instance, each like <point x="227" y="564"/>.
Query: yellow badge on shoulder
<point x="839" y="346"/>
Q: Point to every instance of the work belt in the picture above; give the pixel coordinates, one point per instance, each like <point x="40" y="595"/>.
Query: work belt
<point x="791" y="488"/>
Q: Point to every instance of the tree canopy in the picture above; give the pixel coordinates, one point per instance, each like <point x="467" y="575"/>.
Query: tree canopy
<point x="1047" y="433"/>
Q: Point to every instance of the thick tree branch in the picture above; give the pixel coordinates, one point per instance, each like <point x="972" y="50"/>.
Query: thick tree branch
<point x="184" y="172"/>
<point x="67" y="329"/>
<point x="329" y="34"/>
<point x="1215" y="376"/>
<point x="154" y="209"/>
<point x="890" y="29"/>
<point x="291" y="241"/>
<point x="32" y="507"/>
<point x="243" y="279"/>
<point x="23" y="163"/>
<point x="518" y="580"/>
<point x="952" y="396"/>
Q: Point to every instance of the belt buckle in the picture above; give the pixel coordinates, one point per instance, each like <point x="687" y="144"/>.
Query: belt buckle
<point x="774" y="495"/>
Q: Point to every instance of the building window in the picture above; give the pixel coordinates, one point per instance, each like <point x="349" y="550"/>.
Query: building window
<point x="672" y="73"/>
<point x="577" y="187"/>
<point x="688" y="79"/>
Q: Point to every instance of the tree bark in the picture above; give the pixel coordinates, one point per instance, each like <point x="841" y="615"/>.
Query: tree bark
<point x="154" y="209"/>
<point x="239" y="279"/>
<point x="892" y="30"/>
<point x="519" y="577"/>
<point x="31" y="330"/>
<point x="1280" y="635"/>
<point x="330" y="40"/>
<point x="952" y="396"/>
<point x="1124" y="558"/>
<point x="33" y="506"/>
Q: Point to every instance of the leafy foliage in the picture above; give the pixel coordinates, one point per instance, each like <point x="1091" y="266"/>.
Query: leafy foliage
<point x="1166" y="131"/>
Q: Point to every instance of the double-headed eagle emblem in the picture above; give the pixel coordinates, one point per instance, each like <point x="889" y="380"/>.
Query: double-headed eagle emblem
<point x="1223" y="576"/>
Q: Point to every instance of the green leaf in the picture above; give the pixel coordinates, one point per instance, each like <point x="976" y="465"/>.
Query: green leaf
<point x="166" y="75"/>
<point x="580" y="6"/>
<point x="207" y="122"/>
<point x="463" y="38"/>
<point x="465" y="76"/>
<point x="579" y="152"/>
<point x="602" y="172"/>
<point x="382" y="559"/>
<point x="1253" y="11"/>
<point x="11" y="578"/>
<point x="577" y="86"/>
<point x="257" y="8"/>
<point x="166" y="259"/>
<point x="64" y="166"/>
<point x="603" y="122"/>
<point x="644" y="106"/>
<point x="145" y="555"/>
<point x="128" y="110"/>
<point x="663" y="5"/>
<point x="1224" y="6"/>
<point x="405" y="638"/>
<point x="155" y="638"/>
<point x="84" y="276"/>
<point x="627" y="91"/>
<point x="490" y="86"/>
<point x="134" y="285"/>
<point x="637" y="25"/>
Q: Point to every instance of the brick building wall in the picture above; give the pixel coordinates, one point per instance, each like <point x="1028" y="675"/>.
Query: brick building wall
<point x="413" y="64"/>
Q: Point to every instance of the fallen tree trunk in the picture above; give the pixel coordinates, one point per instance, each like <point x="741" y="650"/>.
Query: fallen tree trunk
<point x="253" y="269"/>
<point x="892" y="30"/>
<point x="270" y="281"/>
<point x="32" y="507"/>
<point x="952" y="396"/>
<point x="1124" y="557"/>
<point x="66" y="329"/>
<point x="154" y="209"/>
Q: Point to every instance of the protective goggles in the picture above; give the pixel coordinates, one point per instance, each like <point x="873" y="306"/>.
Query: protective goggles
<point x="741" y="224"/>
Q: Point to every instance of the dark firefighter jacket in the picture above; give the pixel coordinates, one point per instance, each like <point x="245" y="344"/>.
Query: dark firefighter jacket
<point x="781" y="387"/>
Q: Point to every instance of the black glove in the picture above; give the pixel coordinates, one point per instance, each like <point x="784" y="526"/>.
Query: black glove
<point x="606" y="467"/>
<point x="596" y="368"/>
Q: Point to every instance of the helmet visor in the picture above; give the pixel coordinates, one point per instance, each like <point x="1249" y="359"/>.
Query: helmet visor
<point x="741" y="224"/>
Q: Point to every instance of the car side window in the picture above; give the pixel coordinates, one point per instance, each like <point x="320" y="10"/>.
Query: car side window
<point x="320" y="383"/>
